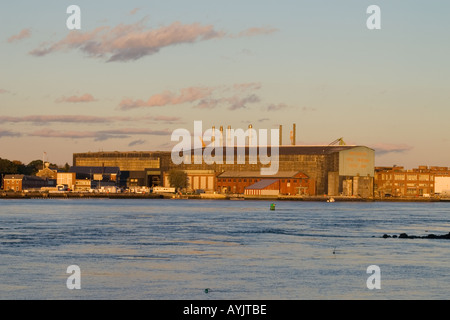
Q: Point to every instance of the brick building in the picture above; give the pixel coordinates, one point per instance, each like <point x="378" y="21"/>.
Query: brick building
<point x="398" y="182"/>
<point x="285" y="182"/>
<point x="20" y="182"/>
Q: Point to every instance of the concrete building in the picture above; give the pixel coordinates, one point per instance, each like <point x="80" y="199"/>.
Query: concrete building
<point x="442" y="185"/>
<point x="66" y="179"/>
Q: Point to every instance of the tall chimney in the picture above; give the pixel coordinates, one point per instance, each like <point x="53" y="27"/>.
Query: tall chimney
<point x="221" y="136"/>
<point x="213" y="137"/>
<point x="281" y="135"/>
<point x="293" y="135"/>
<point x="229" y="136"/>
<point x="250" y="127"/>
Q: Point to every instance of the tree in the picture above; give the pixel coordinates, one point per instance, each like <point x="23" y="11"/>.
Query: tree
<point x="66" y="167"/>
<point x="178" y="179"/>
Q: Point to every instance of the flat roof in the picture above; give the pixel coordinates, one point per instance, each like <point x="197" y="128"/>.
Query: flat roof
<point x="257" y="174"/>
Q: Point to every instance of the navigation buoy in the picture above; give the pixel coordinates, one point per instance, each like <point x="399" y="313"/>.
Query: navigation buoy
<point x="207" y="290"/>
<point x="272" y="206"/>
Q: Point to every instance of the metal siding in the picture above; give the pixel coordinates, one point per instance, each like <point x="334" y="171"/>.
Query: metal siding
<point x="357" y="161"/>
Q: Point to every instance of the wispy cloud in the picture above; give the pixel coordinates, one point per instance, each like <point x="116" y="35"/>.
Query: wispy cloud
<point x="134" y="11"/>
<point x="276" y="107"/>
<point x="23" y="34"/>
<point x="98" y="135"/>
<point x="256" y="31"/>
<point x="43" y="119"/>
<point x="385" y="148"/>
<point x="83" y="119"/>
<point x="134" y="41"/>
<point x="136" y="143"/>
<point x="87" y="97"/>
<point x="234" y="97"/>
<point x="7" y="133"/>
<point x="190" y="94"/>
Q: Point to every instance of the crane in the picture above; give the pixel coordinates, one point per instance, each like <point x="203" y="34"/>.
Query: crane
<point x="340" y="140"/>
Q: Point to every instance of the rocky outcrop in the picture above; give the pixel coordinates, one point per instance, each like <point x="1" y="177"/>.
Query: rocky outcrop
<point x="429" y="236"/>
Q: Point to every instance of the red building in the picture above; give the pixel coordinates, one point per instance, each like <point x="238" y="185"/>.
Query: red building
<point x="285" y="182"/>
<point x="20" y="182"/>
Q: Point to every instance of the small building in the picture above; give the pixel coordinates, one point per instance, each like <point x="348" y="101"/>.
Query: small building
<point x="20" y="182"/>
<point x="197" y="180"/>
<point x="442" y="185"/>
<point x="286" y="182"/>
<point x="265" y="187"/>
<point x="66" y="179"/>
<point x="47" y="172"/>
<point x="105" y="174"/>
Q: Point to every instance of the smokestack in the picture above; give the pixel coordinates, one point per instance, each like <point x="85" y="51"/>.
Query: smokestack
<point x="221" y="136"/>
<point x="293" y="135"/>
<point x="213" y="137"/>
<point x="281" y="135"/>
<point x="250" y="135"/>
<point x="229" y="136"/>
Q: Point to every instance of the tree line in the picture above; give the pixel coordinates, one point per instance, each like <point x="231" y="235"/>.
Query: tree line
<point x="30" y="169"/>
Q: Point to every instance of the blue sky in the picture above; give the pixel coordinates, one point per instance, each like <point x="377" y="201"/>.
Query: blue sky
<point x="265" y="63"/>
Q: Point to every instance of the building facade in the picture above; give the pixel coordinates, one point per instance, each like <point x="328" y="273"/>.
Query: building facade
<point x="284" y="182"/>
<point x="335" y="170"/>
<point x="20" y="182"/>
<point x="418" y="182"/>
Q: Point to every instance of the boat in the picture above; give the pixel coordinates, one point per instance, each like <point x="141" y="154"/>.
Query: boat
<point x="331" y="200"/>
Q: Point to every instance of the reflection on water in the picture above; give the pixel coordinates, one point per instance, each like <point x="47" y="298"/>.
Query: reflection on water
<point x="173" y="249"/>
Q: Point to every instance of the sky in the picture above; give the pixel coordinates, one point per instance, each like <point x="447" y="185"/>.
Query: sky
<point x="138" y="70"/>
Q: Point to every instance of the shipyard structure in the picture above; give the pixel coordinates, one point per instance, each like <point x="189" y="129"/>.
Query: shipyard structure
<point x="332" y="170"/>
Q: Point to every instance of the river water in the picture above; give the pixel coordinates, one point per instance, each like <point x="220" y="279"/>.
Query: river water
<point x="175" y="249"/>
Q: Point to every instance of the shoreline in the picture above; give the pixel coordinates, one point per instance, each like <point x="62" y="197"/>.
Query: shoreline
<point x="75" y="195"/>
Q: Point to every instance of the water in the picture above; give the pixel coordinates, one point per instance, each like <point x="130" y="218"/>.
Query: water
<point x="174" y="249"/>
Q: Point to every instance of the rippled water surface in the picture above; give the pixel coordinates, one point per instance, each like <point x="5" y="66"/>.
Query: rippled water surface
<point x="174" y="249"/>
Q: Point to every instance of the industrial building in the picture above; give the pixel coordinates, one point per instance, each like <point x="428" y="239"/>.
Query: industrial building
<point x="331" y="169"/>
<point x="423" y="181"/>
<point x="253" y="183"/>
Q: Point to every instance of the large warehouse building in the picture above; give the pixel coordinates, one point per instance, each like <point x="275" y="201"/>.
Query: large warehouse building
<point x="332" y="169"/>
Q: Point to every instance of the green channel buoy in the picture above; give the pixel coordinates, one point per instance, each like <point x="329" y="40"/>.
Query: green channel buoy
<point x="272" y="206"/>
<point x="207" y="290"/>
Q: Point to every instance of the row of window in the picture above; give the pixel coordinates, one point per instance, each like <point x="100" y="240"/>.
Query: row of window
<point x="251" y="180"/>
<point x="410" y="177"/>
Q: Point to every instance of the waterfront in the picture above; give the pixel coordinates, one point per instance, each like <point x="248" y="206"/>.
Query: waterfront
<point x="174" y="249"/>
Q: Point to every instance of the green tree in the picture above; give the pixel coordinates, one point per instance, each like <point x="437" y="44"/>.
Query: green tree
<point x="66" y="167"/>
<point x="178" y="179"/>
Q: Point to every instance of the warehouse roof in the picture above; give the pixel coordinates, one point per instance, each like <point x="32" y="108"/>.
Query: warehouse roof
<point x="95" y="170"/>
<point x="257" y="174"/>
<point x="262" y="184"/>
